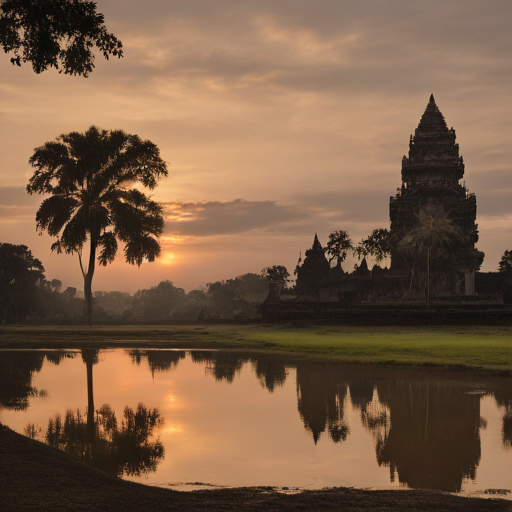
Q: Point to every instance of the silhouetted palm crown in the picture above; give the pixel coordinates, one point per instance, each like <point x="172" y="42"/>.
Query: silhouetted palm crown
<point x="90" y="178"/>
<point x="434" y="233"/>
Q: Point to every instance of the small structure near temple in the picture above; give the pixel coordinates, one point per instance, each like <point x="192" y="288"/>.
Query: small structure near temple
<point x="314" y="275"/>
<point x="431" y="193"/>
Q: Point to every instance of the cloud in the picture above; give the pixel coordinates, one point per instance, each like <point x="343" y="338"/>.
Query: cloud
<point x="16" y="204"/>
<point x="341" y="47"/>
<point x="303" y="109"/>
<point x="307" y="214"/>
<point x="229" y="217"/>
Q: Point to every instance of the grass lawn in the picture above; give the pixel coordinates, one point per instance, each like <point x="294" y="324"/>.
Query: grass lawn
<point x="472" y="347"/>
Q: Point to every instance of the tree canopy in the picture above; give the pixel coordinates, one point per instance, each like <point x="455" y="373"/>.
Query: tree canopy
<point x="434" y="234"/>
<point x="378" y="244"/>
<point x="56" y="33"/>
<point x="505" y="264"/>
<point x="159" y="301"/>
<point x="90" y="177"/>
<point x="277" y="275"/>
<point x="338" y="246"/>
<point x="20" y="274"/>
<point x="434" y="237"/>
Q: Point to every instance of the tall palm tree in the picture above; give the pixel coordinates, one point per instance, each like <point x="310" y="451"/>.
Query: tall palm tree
<point x="433" y="236"/>
<point x="91" y="178"/>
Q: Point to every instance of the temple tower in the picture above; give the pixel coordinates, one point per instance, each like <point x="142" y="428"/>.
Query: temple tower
<point x="314" y="271"/>
<point x="431" y="175"/>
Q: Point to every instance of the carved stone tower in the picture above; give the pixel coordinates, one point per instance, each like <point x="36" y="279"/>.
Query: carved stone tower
<point x="431" y="175"/>
<point x="314" y="272"/>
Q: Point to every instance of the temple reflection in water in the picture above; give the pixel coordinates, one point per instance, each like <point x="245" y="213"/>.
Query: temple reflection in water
<point x="426" y="427"/>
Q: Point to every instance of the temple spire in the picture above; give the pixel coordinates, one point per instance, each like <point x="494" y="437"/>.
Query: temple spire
<point x="432" y="119"/>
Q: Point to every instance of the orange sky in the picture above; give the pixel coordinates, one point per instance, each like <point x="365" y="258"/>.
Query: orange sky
<point x="277" y="119"/>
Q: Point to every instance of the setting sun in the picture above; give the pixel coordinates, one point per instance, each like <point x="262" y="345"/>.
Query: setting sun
<point x="167" y="258"/>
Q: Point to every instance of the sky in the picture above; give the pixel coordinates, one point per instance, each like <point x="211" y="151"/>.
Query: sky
<point x="277" y="119"/>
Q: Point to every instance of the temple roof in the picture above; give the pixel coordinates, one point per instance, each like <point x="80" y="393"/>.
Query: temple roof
<point x="433" y="144"/>
<point x="314" y="260"/>
<point x="432" y="119"/>
<point x="317" y="246"/>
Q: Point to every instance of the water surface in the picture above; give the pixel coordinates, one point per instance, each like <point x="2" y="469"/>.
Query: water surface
<point x="169" y="417"/>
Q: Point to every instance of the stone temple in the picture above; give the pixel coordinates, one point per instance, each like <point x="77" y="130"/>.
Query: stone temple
<point x="432" y="197"/>
<point x="432" y="181"/>
<point x="431" y="176"/>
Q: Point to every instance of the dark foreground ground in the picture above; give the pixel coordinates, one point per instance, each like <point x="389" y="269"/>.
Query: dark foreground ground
<point x="34" y="476"/>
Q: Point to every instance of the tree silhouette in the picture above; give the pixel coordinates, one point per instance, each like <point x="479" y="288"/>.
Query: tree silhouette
<point x="378" y="244"/>
<point x="55" y="33"/>
<point x="434" y="236"/>
<point x="338" y="246"/>
<point x="158" y="302"/>
<point x="90" y="177"/>
<point x="20" y="274"/>
<point x="277" y="276"/>
<point x="505" y="264"/>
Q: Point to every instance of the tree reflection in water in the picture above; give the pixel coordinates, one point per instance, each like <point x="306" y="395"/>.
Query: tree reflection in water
<point x="222" y="365"/>
<point x="271" y="371"/>
<point x="117" y="449"/>
<point x="16" y="371"/>
<point x="158" y="360"/>
<point x="90" y="358"/>
<point x="426" y="429"/>
<point x="503" y="397"/>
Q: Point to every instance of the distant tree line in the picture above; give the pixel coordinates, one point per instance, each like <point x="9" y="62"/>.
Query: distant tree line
<point x="25" y="292"/>
<point x="233" y="298"/>
<point x="27" y="296"/>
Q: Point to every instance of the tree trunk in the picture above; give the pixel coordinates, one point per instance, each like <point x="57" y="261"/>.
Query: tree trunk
<point x="90" y="399"/>
<point x="88" y="282"/>
<point x="428" y="277"/>
<point x="90" y="357"/>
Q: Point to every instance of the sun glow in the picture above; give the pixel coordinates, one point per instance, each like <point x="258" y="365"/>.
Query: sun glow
<point x="172" y="429"/>
<point x="167" y="258"/>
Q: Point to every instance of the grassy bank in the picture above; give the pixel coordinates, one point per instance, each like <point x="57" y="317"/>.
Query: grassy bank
<point x="488" y="348"/>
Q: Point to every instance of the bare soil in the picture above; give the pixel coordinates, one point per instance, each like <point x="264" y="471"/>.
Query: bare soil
<point x="34" y="476"/>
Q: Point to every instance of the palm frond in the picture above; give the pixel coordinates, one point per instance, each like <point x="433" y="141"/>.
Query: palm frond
<point x="54" y="212"/>
<point x="139" y="248"/>
<point x="74" y="234"/>
<point x="136" y="213"/>
<point x="108" y="244"/>
<point x="433" y="231"/>
<point x="88" y="174"/>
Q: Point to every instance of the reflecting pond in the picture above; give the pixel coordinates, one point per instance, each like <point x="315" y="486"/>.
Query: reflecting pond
<point x="175" y="417"/>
